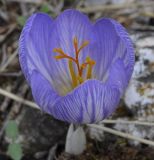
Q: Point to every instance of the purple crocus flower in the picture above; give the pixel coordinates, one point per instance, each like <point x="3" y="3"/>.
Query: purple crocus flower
<point x="77" y="70"/>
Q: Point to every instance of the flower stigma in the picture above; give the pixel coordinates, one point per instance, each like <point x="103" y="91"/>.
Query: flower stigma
<point x="77" y="78"/>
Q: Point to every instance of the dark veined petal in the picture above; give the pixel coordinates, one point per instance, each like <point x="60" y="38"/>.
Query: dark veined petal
<point x="129" y="55"/>
<point x="117" y="76"/>
<point x="109" y="46"/>
<point x="110" y="42"/>
<point x="89" y="103"/>
<point x="34" y="46"/>
<point x="93" y="100"/>
<point x="44" y="95"/>
<point x="66" y="27"/>
<point x="41" y="35"/>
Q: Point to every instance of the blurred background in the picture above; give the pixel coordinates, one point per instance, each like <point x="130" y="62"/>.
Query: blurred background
<point x="29" y="134"/>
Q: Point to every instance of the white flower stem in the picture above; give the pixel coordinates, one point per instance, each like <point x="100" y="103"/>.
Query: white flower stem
<point x="75" y="140"/>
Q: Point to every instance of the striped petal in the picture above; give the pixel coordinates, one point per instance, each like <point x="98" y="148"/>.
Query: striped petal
<point x="93" y="100"/>
<point x="66" y="27"/>
<point x="41" y="36"/>
<point x="44" y="95"/>
<point x="89" y="103"/>
<point x="50" y="80"/>
<point x="34" y="46"/>
<point x="111" y="42"/>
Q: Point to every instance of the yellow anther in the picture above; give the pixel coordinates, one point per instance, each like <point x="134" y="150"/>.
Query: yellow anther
<point x="62" y="54"/>
<point x="59" y="57"/>
<point x="75" y="42"/>
<point x="58" y="50"/>
<point x="90" y="63"/>
<point x="89" y="72"/>
<point x="84" y="44"/>
<point x="88" y="59"/>
<point x="73" y="75"/>
<point x="83" y="66"/>
<point x="80" y="79"/>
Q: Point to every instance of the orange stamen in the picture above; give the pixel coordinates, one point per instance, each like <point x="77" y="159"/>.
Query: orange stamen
<point x="58" y="50"/>
<point x="83" y="66"/>
<point x="59" y="57"/>
<point x="84" y="44"/>
<point x="80" y="79"/>
<point x="90" y="63"/>
<point x="72" y="72"/>
<point x="75" y="42"/>
<point x="62" y="54"/>
<point x="76" y="78"/>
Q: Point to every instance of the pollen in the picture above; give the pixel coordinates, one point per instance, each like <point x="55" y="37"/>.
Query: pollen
<point x="87" y="65"/>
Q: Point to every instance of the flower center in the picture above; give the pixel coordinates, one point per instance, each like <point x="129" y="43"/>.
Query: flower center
<point x="77" y="78"/>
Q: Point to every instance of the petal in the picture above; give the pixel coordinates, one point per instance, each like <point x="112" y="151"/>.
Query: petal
<point x="34" y="46"/>
<point x="44" y="95"/>
<point x="109" y="46"/>
<point x="89" y="103"/>
<point x="93" y="100"/>
<point x="66" y="27"/>
<point x="110" y="42"/>
<point x="129" y="55"/>
<point x="117" y="75"/>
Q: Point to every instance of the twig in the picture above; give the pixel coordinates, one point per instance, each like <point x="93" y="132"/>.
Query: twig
<point x="22" y="89"/>
<point x="10" y="59"/>
<point x="27" y="1"/>
<point x="32" y="104"/>
<point x="52" y="152"/>
<point x="106" y="129"/>
<point x="2" y="129"/>
<point x="147" y="14"/>
<point x="128" y="122"/>
<point x="18" y="99"/>
<point x="6" y="101"/>
<point x="11" y="29"/>
<point x="115" y="7"/>
<point x="24" y="9"/>
<point x="4" y="55"/>
<point x="4" y="15"/>
<point x="121" y="134"/>
<point x="11" y="74"/>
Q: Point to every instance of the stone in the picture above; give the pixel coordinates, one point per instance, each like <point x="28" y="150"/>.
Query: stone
<point x="39" y="131"/>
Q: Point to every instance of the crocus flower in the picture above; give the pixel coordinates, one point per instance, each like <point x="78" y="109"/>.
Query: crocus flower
<point x="77" y="70"/>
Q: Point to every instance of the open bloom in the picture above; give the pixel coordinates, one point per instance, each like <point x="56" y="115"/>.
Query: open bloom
<point x="77" y="70"/>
